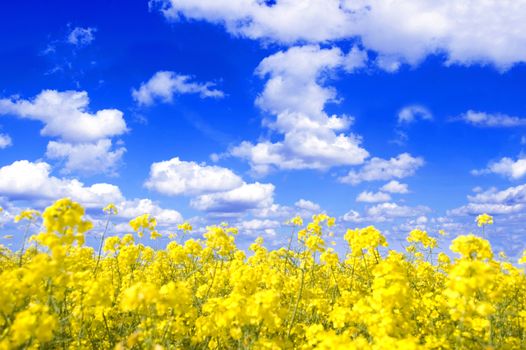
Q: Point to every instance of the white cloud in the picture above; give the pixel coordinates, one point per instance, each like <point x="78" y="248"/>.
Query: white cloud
<point x="393" y="210"/>
<point x="511" y="195"/>
<point x="293" y="93"/>
<point x="490" y="208"/>
<point x="383" y="212"/>
<point x="496" y="120"/>
<point x="255" y="227"/>
<point x="175" y="177"/>
<point x="164" y="85"/>
<point x="302" y="207"/>
<point x="380" y="169"/>
<point x="352" y="216"/>
<point x="411" y="113"/>
<point x="355" y="59"/>
<point x="5" y="141"/>
<point x="394" y="186"/>
<point x="81" y="36"/>
<point x="285" y="21"/>
<point x="466" y="32"/>
<point x="373" y="197"/>
<point x="132" y="208"/>
<point x="243" y="198"/>
<point x="65" y="115"/>
<point x="215" y="189"/>
<point x="420" y="222"/>
<point x="87" y="158"/>
<point x="513" y="169"/>
<point x="389" y="63"/>
<point x="84" y="137"/>
<point x="308" y="206"/>
<point x="31" y="183"/>
<point x="25" y="180"/>
<point x="493" y="201"/>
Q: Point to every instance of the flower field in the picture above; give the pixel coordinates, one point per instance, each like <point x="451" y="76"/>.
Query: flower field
<point x="56" y="292"/>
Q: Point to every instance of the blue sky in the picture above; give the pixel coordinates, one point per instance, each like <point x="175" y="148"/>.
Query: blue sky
<point x="251" y="112"/>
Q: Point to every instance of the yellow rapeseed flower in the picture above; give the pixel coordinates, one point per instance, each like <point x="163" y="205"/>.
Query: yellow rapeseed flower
<point x="28" y="214"/>
<point x="484" y="219"/>
<point x="208" y="293"/>
<point x="110" y="209"/>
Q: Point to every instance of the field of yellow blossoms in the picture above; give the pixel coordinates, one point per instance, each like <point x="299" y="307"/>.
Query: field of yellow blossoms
<point x="56" y="292"/>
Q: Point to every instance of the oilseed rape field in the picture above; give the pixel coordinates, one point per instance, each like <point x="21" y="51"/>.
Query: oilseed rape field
<point x="57" y="292"/>
<point x="263" y="175"/>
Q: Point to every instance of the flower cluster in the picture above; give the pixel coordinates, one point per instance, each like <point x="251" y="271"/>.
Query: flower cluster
<point x="208" y="294"/>
<point x="484" y="219"/>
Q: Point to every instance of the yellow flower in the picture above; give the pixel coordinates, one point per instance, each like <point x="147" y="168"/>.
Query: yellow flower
<point x="29" y="214"/>
<point x="419" y="236"/>
<point x="472" y="247"/>
<point x="185" y="226"/>
<point x="366" y="239"/>
<point x="112" y="244"/>
<point x="296" y="221"/>
<point x="155" y="234"/>
<point x="36" y="322"/>
<point x="209" y="293"/>
<point x="484" y="219"/>
<point x="143" y="223"/>
<point x="110" y="209"/>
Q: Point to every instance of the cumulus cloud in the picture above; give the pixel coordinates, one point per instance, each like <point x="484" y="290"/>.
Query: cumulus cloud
<point x="24" y="180"/>
<point x="129" y="209"/>
<point x="412" y="113"/>
<point x="394" y="186"/>
<point x="301" y="207"/>
<point x="494" y="201"/>
<point x="87" y="158"/>
<point x="65" y="115"/>
<point x="373" y="197"/>
<point x="214" y="189"/>
<point x="404" y="31"/>
<point x="81" y="36"/>
<point x="383" y="212"/>
<point x="308" y="206"/>
<point x="394" y="210"/>
<point x="398" y="167"/>
<point x="176" y="177"/>
<point x="243" y="198"/>
<point x="511" y="195"/>
<point x="488" y="120"/>
<point x="5" y="141"/>
<point x="294" y="94"/>
<point x="32" y="183"/>
<point x="513" y="169"/>
<point x="491" y="208"/>
<point x="352" y="216"/>
<point x="256" y="227"/>
<point x="421" y="222"/>
<point x="164" y="85"/>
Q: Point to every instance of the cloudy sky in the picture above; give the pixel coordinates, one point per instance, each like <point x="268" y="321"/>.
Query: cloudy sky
<point x="402" y="114"/>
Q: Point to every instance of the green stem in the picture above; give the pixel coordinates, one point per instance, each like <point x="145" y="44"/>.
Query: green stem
<point x="300" y="292"/>
<point x="24" y="244"/>
<point x="101" y="244"/>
